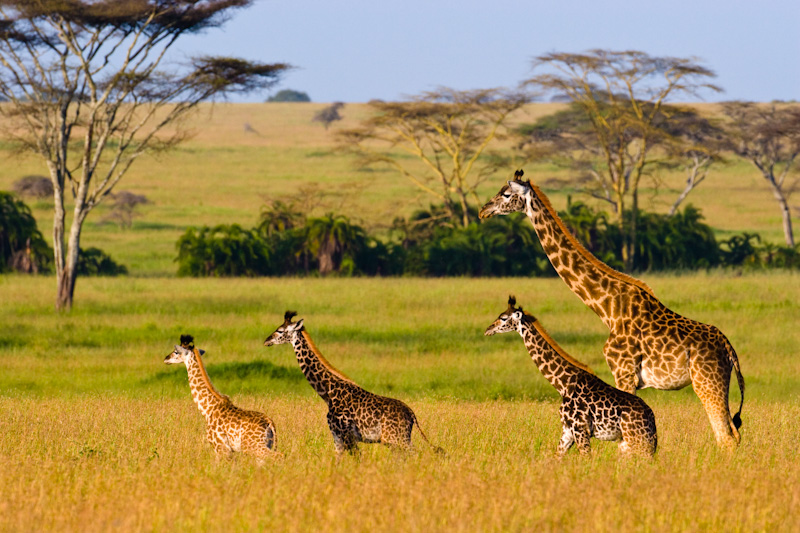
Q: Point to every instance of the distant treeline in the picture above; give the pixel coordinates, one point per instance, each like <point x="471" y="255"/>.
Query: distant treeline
<point x="285" y="243"/>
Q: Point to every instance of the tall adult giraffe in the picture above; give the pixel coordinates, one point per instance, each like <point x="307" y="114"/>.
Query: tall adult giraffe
<point x="649" y="345"/>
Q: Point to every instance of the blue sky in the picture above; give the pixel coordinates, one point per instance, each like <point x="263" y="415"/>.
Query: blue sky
<point x="354" y="51"/>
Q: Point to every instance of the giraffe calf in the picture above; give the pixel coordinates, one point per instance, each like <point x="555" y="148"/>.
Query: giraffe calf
<point x="354" y="414"/>
<point x="229" y="429"/>
<point x="589" y="406"/>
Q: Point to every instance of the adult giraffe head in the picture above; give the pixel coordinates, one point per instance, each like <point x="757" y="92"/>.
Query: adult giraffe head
<point x="510" y="199"/>
<point x="285" y="331"/>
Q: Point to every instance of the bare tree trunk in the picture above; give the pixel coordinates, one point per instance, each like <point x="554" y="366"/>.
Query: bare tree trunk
<point x="619" y="206"/>
<point x="681" y="198"/>
<point x="66" y="281"/>
<point x="694" y="178"/>
<point x="633" y="231"/>
<point x="786" y="214"/>
<point x="327" y="252"/>
<point x="464" y="209"/>
<point x="62" y="301"/>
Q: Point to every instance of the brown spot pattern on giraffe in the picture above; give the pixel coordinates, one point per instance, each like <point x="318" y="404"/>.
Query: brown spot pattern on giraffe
<point x="354" y="414"/>
<point x="649" y="345"/>
<point x="589" y="406"/>
<point x="229" y="428"/>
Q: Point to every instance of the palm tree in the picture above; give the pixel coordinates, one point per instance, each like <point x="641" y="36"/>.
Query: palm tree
<point x="331" y="238"/>
<point x="279" y="216"/>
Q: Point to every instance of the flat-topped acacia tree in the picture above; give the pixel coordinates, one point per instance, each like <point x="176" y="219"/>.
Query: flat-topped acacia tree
<point x="87" y="89"/>
<point x="447" y="134"/>
<point x="623" y="95"/>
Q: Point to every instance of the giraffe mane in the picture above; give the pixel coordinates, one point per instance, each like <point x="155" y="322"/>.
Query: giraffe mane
<point x="333" y="370"/>
<point x="625" y="278"/>
<point x="204" y="374"/>
<point x="551" y="341"/>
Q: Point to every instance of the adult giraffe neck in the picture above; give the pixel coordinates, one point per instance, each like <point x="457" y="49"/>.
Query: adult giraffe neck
<point x="554" y="363"/>
<point x="318" y="371"/>
<point x="203" y="392"/>
<point x="593" y="281"/>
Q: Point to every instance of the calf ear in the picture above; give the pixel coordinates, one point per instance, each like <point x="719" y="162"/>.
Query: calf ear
<point x="297" y="326"/>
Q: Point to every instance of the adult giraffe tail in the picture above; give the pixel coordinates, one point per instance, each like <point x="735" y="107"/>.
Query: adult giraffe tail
<point x="737" y="418"/>
<point x="436" y="449"/>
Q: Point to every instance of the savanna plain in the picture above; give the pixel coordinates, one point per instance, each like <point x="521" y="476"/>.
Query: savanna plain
<point x="97" y="434"/>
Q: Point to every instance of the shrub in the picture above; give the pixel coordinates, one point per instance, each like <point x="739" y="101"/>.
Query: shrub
<point x="123" y="206"/>
<point x="95" y="262"/>
<point x="22" y="247"/>
<point x="681" y="241"/>
<point x="34" y="186"/>
<point x="501" y="246"/>
<point x="740" y="250"/>
<point x="224" y="250"/>
<point x="429" y="243"/>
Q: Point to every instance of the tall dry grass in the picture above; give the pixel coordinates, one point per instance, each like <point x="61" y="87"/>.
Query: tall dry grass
<point x="100" y="464"/>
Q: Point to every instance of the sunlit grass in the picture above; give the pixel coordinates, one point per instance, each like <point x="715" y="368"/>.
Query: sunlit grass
<point x="96" y="464"/>
<point x="98" y="434"/>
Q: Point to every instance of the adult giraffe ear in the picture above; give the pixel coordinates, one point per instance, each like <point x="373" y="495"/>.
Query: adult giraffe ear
<point x="297" y="326"/>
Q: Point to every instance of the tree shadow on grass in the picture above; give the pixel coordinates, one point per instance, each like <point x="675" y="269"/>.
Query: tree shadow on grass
<point x="222" y="372"/>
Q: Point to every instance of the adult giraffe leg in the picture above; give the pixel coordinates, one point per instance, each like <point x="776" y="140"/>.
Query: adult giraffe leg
<point x="711" y="381"/>
<point x="619" y="354"/>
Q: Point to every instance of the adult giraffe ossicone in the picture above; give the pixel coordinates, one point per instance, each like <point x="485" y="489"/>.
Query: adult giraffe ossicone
<point x="649" y="345"/>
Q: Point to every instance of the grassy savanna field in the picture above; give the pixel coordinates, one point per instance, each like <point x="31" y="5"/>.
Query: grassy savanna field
<point x="97" y="434"/>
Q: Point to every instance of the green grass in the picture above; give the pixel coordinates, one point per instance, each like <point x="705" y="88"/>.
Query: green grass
<point x="99" y="434"/>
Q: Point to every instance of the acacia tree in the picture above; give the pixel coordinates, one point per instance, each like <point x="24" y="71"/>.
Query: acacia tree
<point x="447" y="131"/>
<point x="697" y="144"/>
<point x="623" y="95"/>
<point x="329" y="114"/>
<point x="85" y="90"/>
<point x="769" y="137"/>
